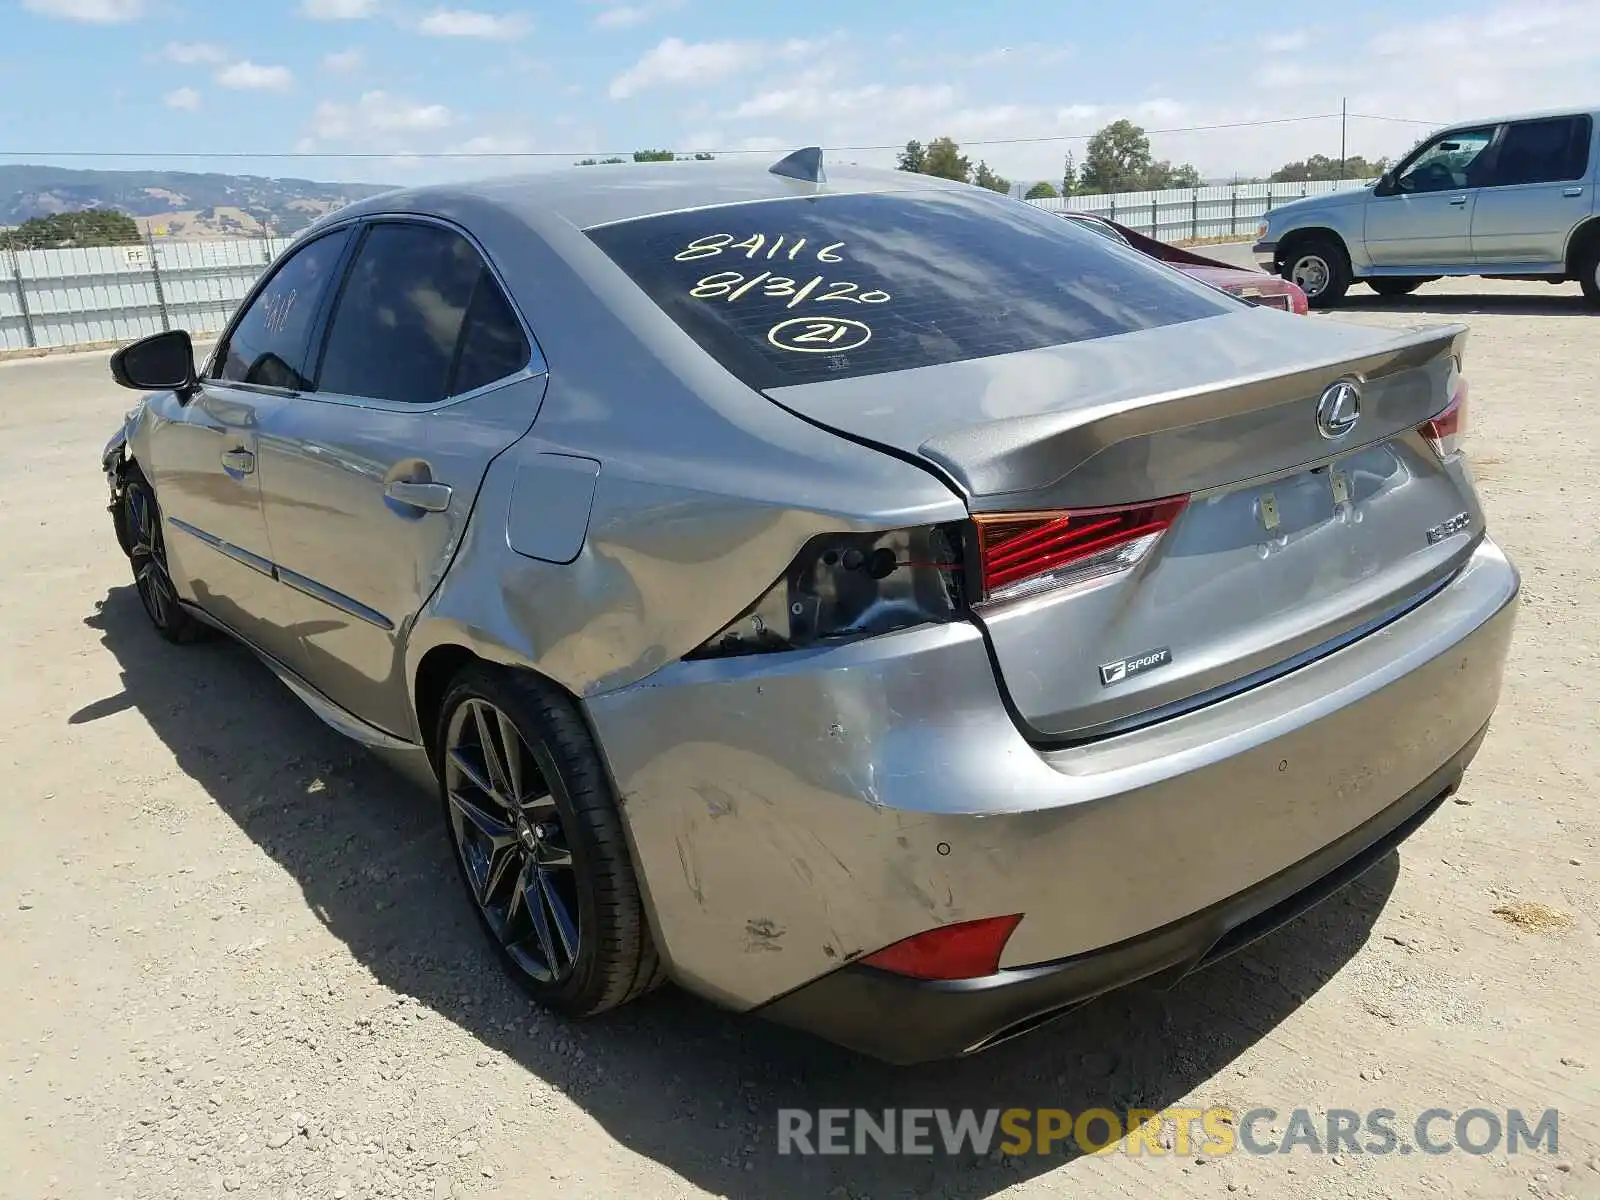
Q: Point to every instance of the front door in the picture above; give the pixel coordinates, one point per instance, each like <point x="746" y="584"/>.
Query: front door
<point x="1537" y="193"/>
<point x="204" y="454"/>
<point x="1424" y="218"/>
<point x="368" y="480"/>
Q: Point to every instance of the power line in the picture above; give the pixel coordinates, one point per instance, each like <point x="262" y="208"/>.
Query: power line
<point x="572" y="154"/>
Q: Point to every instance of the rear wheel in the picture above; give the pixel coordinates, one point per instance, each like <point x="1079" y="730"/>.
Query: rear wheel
<point x="138" y="522"/>
<point x="540" y="845"/>
<point x="1589" y="272"/>
<point x="1320" y="267"/>
<point x="1395" y="285"/>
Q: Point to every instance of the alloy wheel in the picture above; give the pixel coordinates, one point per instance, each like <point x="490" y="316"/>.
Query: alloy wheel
<point x="148" y="553"/>
<point x="1311" y="273"/>
<point x="512" y="841"/>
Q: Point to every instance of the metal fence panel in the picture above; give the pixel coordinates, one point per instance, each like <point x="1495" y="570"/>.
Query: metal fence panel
<point x="63" y="298"/>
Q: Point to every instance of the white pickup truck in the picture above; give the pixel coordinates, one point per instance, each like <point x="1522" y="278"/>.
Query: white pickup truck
<point x="1508" y="198"/>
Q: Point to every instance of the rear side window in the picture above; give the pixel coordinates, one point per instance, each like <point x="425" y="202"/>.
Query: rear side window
<point x="1550" y="151"/>
<point x="420" y="318"/>
<point x="270" y="344"/>
<point x="797" y="291"/>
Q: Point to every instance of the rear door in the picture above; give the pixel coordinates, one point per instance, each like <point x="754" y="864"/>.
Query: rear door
<point x="1425" y="218"/>
<point x="1537" y="192"/>
<point x="426" y="374"/>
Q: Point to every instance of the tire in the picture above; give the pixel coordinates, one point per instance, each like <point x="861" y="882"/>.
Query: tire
<point x="1395" y="285"/>
<point x="1589" y="272"/>
<point x="137" y="517"/>
<point x="588" y="947"/>
<point x="1321" y="263"/>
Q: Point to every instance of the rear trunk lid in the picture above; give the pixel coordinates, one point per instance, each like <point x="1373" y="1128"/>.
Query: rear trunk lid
<point x="1291" y="544"/>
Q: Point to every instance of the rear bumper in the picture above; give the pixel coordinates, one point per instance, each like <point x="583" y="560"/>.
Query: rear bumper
<point x="907" y="1021"/>
<point x="790" y="813"/>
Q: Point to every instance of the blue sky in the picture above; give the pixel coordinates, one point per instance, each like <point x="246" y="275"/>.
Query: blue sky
<point x="407" y="80"/>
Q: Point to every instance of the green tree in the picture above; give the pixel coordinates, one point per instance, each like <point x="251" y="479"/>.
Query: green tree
<point x="944" y="160"/>
<point x="1119" y="160"/>
<point x="913" y="158"/>
<point x="986" y="178"/>
<point x="597" y="162"/>
<point x="654" y="156"/>
<point x="92" y="227"/>
<point x="1069" y="175"/>
<point x="1042" y="190"/>
<point x="702" y="156"/>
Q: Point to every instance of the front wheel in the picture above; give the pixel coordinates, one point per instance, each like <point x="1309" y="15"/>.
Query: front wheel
<point x="539" y="842"/>
<point x="1320" y="268"/>
<point x="138" y="524"/>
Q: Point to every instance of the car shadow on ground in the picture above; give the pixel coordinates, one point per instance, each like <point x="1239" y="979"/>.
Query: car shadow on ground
<point x="670" y="1077"/>
<point x="1568" y="302"/>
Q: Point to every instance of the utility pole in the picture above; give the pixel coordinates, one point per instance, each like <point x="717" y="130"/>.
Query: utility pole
<point x="1344" y="116"/>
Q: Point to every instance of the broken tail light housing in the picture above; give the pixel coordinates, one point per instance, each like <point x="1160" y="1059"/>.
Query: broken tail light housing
<point x="1445" y="431"/>
<point x="852" y="585"/>
<point x="1022" y="554"/>
<point x="966" y="950"/>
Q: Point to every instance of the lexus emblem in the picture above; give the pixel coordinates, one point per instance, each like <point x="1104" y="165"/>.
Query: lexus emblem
<point x="1339" y="409"/>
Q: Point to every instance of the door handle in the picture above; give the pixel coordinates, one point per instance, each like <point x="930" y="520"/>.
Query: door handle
<point x="1458" y="200"/>
<point x="429" y="497"/>
<point x="241" y="461"/>
<point x="1573" y="192"/>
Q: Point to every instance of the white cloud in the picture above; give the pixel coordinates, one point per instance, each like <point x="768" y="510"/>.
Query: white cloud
<point x="674" y="62"/>
<point x="191" y="53"/>
<point x="460" y="22"/>
<point x="1286" y="43"/>
<point x="377" y="112"/>
<point x="344" y="62"/>
<point x="338" y="10"/>
<point x="820" y="101"/>
<point x="94" y="12"/>
<point x="249" y="76"/>
<point x="185" y="99"/>
<point x="630" y="16"/>
<point x="490" y="144"/>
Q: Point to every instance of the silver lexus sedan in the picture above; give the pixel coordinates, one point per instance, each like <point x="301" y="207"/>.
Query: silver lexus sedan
<point x="862" y="599"/>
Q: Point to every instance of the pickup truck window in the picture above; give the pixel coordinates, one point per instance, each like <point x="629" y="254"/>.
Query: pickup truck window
<point x="1447" y="163"/>
<point x="1555" y="150"/>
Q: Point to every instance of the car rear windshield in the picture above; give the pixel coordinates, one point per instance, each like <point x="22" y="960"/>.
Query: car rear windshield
<point x="808" y="289"/>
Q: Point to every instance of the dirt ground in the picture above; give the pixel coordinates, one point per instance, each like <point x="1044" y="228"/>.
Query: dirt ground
<point x="234" y="960"/>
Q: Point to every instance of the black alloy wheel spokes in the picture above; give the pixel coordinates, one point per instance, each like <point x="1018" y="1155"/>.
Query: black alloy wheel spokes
<point x="509" y="834"/>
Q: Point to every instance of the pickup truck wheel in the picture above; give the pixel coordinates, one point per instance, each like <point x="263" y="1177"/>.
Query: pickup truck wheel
<point x="1395" y="285"/>
<point x="1320" y="268"/>
<point x="1589" y="273"/>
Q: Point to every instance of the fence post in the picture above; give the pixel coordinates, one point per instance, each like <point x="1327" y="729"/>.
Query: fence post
<point x="1233" y="209"/>
<point x="1113" y="206"/>
<point x="28" y="334"/>
<point x="1155" y="216"/>
<point x="155" y="275"/>
<point x="1194" y="216"/>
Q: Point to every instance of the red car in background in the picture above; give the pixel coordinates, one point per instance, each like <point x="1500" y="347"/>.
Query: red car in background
<point x="1255" y="286"/>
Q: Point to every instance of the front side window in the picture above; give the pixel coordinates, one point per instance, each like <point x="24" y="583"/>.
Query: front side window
<point x="1448" y="164"/>
<point x="808" y="289"/>
<point x="1551" y="151"/>
<point x="420" y="319"/>
<point x="270" y="344"/>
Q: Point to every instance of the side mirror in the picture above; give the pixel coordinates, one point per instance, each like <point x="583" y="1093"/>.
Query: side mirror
<point x="1384" y="186"/>
<point x="162" y="362"/>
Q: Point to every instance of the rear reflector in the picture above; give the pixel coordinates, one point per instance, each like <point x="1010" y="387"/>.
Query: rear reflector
<point x="967" y="950"/>
<point x="1025" y="553"/>
<point x="1444" y="432"/>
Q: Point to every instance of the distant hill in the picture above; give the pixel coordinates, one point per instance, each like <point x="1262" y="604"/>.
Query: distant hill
<point x="178" y="204"/>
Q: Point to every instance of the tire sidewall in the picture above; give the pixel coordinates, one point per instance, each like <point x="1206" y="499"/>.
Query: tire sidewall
<point x="571" y="992"/>
<point x="1332" y="258"/>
